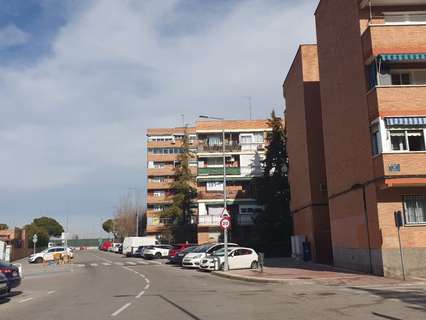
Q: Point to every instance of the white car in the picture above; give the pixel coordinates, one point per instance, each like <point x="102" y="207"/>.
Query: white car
<point x="114" y="247"/>
<point x="158" y="251"/>
<point x="193" y="259"/>
<point x="48" y="254"/>
<point x="238" y="258"/>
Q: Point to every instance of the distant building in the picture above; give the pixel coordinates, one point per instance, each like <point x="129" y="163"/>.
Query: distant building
<point x="16" y="237"/>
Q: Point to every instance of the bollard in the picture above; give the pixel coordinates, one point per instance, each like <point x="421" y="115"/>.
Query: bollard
<point x="261" y="260"/>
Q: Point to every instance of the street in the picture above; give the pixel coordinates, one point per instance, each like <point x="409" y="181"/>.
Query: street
<point x="103" y="285"/>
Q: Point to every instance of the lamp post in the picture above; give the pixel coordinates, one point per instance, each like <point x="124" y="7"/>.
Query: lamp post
<point x="225" y="231"/>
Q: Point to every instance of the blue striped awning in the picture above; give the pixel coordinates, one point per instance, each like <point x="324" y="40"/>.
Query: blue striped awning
<point x="403" y="57"/>
<point x="406" y="121"/>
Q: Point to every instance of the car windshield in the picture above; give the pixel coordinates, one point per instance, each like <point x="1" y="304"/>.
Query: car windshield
<point x="203" y="248"/>
<point x="189" y="249"/>
<point x="221" y="252"/>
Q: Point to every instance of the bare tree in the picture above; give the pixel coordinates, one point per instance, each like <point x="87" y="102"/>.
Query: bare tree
<point x="125" y="216"/>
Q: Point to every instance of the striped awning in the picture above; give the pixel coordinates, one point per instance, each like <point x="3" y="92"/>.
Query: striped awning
<point x="403" y="57"/>
<point x="406" y="121"/>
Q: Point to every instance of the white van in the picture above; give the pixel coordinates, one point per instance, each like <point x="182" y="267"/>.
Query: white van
<point x="131" y="244"/>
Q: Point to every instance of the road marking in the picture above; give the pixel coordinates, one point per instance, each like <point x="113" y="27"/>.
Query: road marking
<point x="81" y="265"/>
<point x="119" y="263"/>
<point x="142" y="262"/>
<point x="131" y="263"/>
<point x="51" y="292"/>
<point x="25" y="300"/>
<point x="140" y="294"/>
<point x="94" y="264"/>
<point x="116" y="313"/>
<point x="106" y="263"/>
<point x="156" y="262"/>
<point x="146" y="287"/>
<point x="147" y="280"/>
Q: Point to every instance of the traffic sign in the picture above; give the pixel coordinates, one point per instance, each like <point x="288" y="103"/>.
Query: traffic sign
<point x="225" y="213"/>
<point x="225" y="223"/>
<point x="35" y="238"/>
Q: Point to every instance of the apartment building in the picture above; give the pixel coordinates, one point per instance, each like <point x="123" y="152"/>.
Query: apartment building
<point x="372" y="71"/>
<point x="307" y="176"/>
<point x="164" y="146"/>
<point x="244" y="149"/>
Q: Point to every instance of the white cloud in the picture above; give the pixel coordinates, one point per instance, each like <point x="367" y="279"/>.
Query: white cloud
<point x="82" y="111"/>
<point x="12" y="36"/>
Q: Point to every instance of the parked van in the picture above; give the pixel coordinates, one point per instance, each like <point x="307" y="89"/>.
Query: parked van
<point x="131" y="244"/>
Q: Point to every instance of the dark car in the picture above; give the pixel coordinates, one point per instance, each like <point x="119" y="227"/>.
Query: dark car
<point x="12" y="274"/>
<point x="178" y="248"/>
<point x="4" y="287"/>
<point x="177" y="259"/>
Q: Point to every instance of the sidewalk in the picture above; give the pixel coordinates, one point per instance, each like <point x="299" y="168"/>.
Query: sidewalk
<point x="292" y="272"/>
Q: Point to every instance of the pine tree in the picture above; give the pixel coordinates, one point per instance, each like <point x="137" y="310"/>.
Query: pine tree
<point x="184" y="191"/>
<point x="274" y="224"/>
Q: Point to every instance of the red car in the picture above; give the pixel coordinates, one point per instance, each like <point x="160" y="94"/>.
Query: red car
<point x="178" y="248"/>
<point x="105" y="245"/>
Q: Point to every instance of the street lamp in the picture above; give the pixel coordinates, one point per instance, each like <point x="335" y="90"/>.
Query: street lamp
<point x="225" y="231"/>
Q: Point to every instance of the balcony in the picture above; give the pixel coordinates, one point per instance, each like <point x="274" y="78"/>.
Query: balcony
<point x="166" y="171"/>
<point x="162" y="157"/>
<point x="159" y="199"/>
<point x="406" y="165"/>
<point x="158" y="185"/>
<point x="386" y="38"/>
<point x="396" y="101"/>
<point x="231" y="194"/>
<point x="208" y="220"/>
<point x="203" y="147"/>
<point x="218" y="171"/>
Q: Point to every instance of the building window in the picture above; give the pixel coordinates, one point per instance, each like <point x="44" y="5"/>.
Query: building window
<point x="375" y="140"/>
<point x="407" y="140"/>
<point x="399" y="79"/>
<point x="405" y="18"/>
<point x="159" y="193"/>
<point x="415" y="209"/>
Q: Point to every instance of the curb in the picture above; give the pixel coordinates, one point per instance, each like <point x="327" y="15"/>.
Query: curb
<point x="255" y="279"/>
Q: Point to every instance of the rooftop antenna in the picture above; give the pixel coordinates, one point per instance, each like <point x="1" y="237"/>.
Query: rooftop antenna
<point x="250" y="106"/>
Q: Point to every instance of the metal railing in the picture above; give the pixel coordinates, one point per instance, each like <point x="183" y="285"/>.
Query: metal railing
<point x="230" y="147"/>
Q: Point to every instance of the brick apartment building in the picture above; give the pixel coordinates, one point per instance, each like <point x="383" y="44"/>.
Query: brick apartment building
<point x="372" y="72"/>
<point x="164" y="145"/>
<point x="245" y="148"/>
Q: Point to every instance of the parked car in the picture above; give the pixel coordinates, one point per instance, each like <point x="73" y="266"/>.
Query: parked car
<point x="131" y="244"/>
<point x="12" y="274"/>
<point x="193" y="259"/>
<point x="238" y="258"/>
<point x="114" y="247"/>
<point x="177" y="259"/>
<point x="48" y="254"/>
<point x="105" y="245"/>
<point x="158" y="251"/>
<point x="178" y="248"/>
<point x="4" y="287"/>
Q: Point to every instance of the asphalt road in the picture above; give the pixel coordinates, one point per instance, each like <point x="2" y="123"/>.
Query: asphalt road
<point x="107" y="286"/>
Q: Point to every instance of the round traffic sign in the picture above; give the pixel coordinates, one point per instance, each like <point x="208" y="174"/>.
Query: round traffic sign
<point x="35" y="238"/>
<point x="225" y="223"/>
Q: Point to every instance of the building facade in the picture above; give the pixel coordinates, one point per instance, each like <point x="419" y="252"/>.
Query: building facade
<point x="372" y="71"/>
<point x="244" y="149"/>
<point x="163" y="148"/>
<point x="307" y="176"/>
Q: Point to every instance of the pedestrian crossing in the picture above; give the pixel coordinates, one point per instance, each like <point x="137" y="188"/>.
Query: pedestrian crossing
<point x="118" y="263"/>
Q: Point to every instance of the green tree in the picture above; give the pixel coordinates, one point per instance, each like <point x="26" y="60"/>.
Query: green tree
<point x="108" y="226"/>
<point x="4" y="226"/>
<point x="53" y="227"/>
<point x="274" y="224"/>
<point x="42" y="235"/>
<point x="183" y="186"/>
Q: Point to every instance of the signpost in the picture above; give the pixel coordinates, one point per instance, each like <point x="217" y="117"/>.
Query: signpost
<point x="35" y="239"/>
<point x="399" y="223"/>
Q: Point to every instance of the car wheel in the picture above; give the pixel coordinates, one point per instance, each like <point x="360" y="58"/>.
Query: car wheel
<point x="158" y="255"/>
<point x="39" y="260"/>
<point x="254" y="265"/>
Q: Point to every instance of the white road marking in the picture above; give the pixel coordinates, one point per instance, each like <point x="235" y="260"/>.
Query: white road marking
<point x="116" y="313"/>
<point x="140" y="294"/>
<point x="119" y="263"/>
<point x="106" y="263"/>
<point x="25" y="300"/>
<point x="51" y="292"/>
<point x="146" y="287"/>
<point x="156" y="262"/>
<point x="81" y="265"/>
<point x="142" y="262"/>
<point x="147" y="280"/>
<point x="131" y="263"/>
<point x="94" y="264"/>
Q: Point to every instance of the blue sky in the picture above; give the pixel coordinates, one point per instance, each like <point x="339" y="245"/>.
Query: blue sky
<point x="81" y="81"/>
